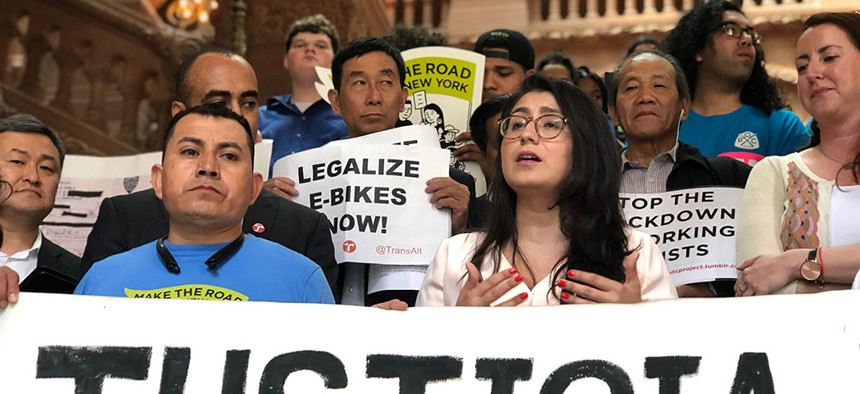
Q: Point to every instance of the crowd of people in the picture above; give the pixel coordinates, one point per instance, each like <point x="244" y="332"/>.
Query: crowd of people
<point x="557" y="144"/>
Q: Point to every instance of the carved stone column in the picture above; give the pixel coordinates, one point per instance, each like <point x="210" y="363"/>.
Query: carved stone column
<point x="131" y="88"/>
<point x="32" y="81"/>
<point x="99" y="75"/>
<point x="68" y="63"/>
<point x="240" y="36"/>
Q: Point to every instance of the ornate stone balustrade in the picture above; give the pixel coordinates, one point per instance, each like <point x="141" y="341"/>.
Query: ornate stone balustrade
<point x="97" y="71"/>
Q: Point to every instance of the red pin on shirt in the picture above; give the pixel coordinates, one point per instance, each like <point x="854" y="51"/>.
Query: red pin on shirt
<point x="258" y="228"/>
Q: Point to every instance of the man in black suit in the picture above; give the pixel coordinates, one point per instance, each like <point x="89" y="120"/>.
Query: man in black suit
<point x="31" y="160"/>
<point x="126" y="222"/>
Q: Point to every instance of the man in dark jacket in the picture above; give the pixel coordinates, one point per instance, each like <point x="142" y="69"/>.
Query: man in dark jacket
<point x="126" y="222"/>
<point x="31" y="161"/>
<point x="649" y="98"/>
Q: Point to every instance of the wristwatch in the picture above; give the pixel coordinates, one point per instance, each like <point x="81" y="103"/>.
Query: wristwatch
<point x="810" y="269"/>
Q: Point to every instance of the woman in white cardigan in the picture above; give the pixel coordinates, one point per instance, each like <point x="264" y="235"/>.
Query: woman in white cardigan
<point x="798" y="230"/>
<point x="555" y="232"/>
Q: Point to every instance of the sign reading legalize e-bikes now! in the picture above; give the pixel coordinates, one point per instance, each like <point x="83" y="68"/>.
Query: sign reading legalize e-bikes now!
<point x="68" y="344"/>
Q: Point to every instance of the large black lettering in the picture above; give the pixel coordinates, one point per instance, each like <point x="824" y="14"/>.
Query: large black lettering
<point x="669" y="371"/>
<point x="503" y="372"/>
<point x="609" y="373"/>
<point x="89" y="366"/>
<point x="329" y="367"/>
<point x="753" y="375"/>
<point x="235" y="372"/>
<point x="414" y="372"/>
<point x="174" y="370"/>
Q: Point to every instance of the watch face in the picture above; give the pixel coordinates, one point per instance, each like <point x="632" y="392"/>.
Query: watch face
<point x="810" y="270"/>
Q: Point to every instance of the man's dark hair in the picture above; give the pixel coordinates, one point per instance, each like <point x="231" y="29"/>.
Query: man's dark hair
<point x="556" y="57"/>
<point x="694" y="32"/>
<point x="316" y="24"/>
<point x="362" y="46"/>
<point x="215" y="110"/>
<point x="405" y="38"/>
<point x="478" y="121"/>
<point x="182" y="88"/>
<point x="680" y="79"/>
<point x="641" y="40"/>
<point x="25" y="123"/>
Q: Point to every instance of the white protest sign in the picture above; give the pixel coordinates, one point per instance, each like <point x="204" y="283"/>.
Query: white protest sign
<point x="421" y="135"/>
<point x="694" y="228"/>
<point x="373" y="195"/>
<point x="87" y="180"/>
<point x="129" y="346"/>
<point x="445" y="86"/>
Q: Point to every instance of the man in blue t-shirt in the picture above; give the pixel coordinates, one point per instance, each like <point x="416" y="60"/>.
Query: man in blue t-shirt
<point x="302" y="120"/>
<point x="737" y="111"/>
<point x="206" y="182"/>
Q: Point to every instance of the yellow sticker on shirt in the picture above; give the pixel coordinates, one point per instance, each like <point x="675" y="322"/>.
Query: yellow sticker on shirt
<point x="189" y="292"/>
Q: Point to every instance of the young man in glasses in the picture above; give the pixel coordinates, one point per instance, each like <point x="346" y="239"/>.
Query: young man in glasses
<point x="737" y="111"/>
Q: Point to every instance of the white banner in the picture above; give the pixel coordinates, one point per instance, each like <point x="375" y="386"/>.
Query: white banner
<point x="55" y="344"/>
<point x="87" y="180"/>
<point x="373" y="194"/>
<point x="694" y="228"/>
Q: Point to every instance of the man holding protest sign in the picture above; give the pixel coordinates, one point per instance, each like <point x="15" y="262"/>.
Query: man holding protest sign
<point x="206" y="182"/>
<point x="125" y="222"/>
<point x="32" y="159"/>
<point x="649" y="98"/>
<point x="369" y="93"/>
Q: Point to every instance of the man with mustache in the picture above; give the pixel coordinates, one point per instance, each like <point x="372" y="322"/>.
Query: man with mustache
<point x="302" y="120"/>
<point x="125" y="222"/>
<point x="31" y="160"/>
<point x="736" y="111"/>
<point x="207" y="182"/>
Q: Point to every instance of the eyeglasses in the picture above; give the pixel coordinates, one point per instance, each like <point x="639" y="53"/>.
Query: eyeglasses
<point x="732" y="29"/>
<point x="546" y="126"/>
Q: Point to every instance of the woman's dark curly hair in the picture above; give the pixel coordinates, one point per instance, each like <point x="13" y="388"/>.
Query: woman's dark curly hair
<point x="588" y="203"/>
<point x="694" y="32"/>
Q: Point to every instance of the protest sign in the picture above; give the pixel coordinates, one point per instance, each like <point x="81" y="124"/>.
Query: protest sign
<point x="324" y="83"/>
<point x="445" y="86"/>
<point x="373" y="195"/>
<point x="694" y="228"/>
<point x="87" y="180"/>
<point x="129" y="346"/>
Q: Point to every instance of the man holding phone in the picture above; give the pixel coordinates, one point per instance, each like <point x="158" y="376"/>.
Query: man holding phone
<point x="31" y="160"/>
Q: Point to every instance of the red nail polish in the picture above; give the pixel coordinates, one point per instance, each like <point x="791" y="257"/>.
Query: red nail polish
<point x="524" y="295"/>
<point x="570" y="273"/>
<point x="512" y="271"/>
<point x="518" y="278"/>
<point x="561" y="283"/>
<point x="565" y="296"/>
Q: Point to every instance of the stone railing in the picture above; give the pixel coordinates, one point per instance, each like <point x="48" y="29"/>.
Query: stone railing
<point x="97" y="71"/>
<point x="464" y="20"/>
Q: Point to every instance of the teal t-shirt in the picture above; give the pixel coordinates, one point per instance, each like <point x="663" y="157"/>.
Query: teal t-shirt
<point x="746" y="134"/>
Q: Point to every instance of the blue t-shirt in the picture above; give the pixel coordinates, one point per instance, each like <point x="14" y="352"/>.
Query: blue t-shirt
<point x="293" y="131"/>
<point x="747" y="134"/>
<point x="260" y="270"/>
